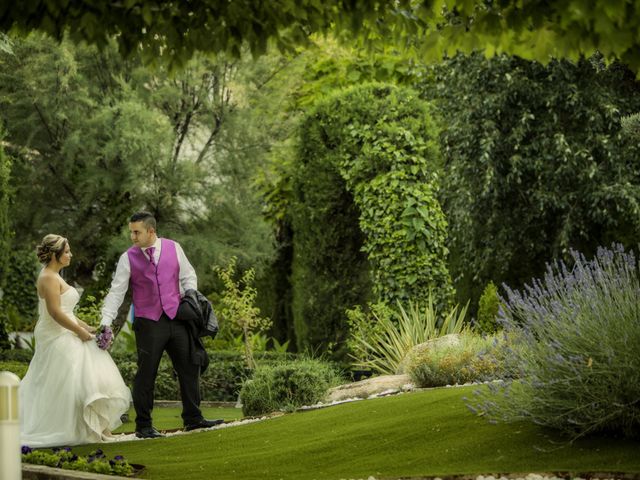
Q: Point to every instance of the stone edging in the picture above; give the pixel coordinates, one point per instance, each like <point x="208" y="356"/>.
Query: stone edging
<point x="204" y="403"/>
<point x="42" y="472"/>
<point x="532" y="476"/>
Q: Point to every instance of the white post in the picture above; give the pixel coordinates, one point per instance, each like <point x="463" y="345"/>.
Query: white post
<point x="10" y="453"/>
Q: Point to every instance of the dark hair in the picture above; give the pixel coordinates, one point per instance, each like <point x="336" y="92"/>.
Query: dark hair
<point x="146" y="218"/>
<point x="50" y="246"/>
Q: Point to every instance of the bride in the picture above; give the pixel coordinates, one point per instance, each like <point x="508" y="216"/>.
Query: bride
<point x="72" y="392"/>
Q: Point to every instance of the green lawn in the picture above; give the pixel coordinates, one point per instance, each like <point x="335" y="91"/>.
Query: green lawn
<point x="169" y="418"/>
<point x="419" y="434"/>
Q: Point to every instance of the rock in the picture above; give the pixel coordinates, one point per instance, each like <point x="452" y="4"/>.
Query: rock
<point x="450" y="340"/>
<point x="368" y="387"/>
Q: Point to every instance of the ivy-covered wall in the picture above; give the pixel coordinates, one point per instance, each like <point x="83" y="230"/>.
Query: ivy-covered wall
<point x="367" y="223"/>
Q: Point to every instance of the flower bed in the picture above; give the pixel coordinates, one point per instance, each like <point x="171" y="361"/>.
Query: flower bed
<point x="95" y="462"/>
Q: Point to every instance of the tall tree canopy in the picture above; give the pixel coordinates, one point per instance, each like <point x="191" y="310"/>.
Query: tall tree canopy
<point x="176" y="30"/>
<point x="536" y="164"/>
<point x="535" y="29"/>
<point x="93" y="137"/>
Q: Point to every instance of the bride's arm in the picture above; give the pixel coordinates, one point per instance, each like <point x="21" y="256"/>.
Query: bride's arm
<point x="50" y="289"/>
<point x="87" y="327"/>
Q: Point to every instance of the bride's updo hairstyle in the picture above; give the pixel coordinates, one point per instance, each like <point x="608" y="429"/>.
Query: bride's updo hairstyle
<point x="50" y="246"/>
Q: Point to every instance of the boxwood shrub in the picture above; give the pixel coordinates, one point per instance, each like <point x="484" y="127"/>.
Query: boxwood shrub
<point x="286" y="386"/>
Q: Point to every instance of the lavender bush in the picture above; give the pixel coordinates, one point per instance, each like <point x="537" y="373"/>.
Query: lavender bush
<point x="573" y="361"/>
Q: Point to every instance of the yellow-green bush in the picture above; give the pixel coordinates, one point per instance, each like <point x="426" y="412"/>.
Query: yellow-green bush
<point x="448" y="364"/>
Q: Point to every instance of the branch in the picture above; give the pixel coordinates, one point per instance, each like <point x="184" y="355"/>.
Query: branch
<point x="184" y="128"/>
<point x="209" y="141"/>
<point x="45" y="124"/>
<point x="55" y="144"/>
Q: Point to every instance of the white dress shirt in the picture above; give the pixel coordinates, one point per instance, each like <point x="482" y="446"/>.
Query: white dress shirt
<point x="120" y="282"/>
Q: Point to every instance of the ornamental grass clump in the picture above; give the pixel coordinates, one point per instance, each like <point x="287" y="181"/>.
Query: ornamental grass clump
<point x="381" y="339"/>
<point x="573" y="362"/>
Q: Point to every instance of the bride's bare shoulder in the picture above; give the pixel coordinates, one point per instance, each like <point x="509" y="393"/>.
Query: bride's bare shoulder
<point x="47" y="282"/>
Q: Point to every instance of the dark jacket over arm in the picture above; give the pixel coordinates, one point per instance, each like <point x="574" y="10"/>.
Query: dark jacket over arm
<point x="196" y="311"/>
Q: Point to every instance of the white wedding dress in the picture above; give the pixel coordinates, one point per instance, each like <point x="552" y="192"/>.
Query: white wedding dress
<point x="72" y="391"/>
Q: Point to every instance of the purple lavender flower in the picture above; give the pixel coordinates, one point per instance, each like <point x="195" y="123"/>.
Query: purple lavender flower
<point x="26" y="449"/>
<point x="104" y="337"/>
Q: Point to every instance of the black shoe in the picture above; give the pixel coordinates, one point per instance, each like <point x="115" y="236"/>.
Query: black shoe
<point x="148" y="432"/>
<point x="203" y="424"/>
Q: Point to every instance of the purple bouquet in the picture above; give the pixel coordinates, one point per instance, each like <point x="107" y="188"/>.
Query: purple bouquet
<point x="104" y="337"/>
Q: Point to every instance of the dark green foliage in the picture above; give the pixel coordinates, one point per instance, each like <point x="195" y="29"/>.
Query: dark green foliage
<point x="220" y="382"/>
<point x="297" y="84"/>
<point x="329" y="272"/>
<point x="173" y="32"/>
<point x="93" y="138"/>
<point x="4" y="334"/>
<point x="20" y="297"/>
<point x="5" y="197"/>
<point x="22" y="355"/>
<point x="286" y="386"/>
<point x="5" y="237"/>
<point x="365" y="208"/>
<point x="488" y="307"/>
<point x="535" y="163"/>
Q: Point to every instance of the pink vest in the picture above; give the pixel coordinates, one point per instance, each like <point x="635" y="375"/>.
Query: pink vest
<point x="155" y="290"/>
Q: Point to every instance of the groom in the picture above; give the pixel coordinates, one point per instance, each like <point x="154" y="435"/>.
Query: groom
<point x="159" y="273"/>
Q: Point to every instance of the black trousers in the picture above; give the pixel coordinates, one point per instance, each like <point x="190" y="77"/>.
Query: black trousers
<point x="152" y="339"/>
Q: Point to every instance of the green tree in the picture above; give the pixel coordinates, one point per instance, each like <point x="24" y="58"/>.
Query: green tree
<point x="488" y="308"/>
<point x="104" y="136"/>
<point x="536" y="29"/>
<point x="286" y="88"/>
<point x="5" y="236"/>
<point x="535" y="163"/>
<point x="63" y="184"/>
<point x="174" y="31"/>
<point x="238" y="307"/>
<point x="366" y="206"/>
<point x="5" y="228"/>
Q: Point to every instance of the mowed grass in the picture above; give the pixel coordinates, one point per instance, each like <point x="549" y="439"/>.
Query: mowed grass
<point x="168" y="418"/>
<point x="418" y="434"/>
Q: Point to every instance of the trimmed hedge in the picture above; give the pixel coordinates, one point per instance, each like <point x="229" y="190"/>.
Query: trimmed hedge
<point x="221" y="382"/>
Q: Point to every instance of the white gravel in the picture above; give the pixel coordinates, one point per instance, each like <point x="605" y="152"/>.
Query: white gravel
<point x="128" y="437"/>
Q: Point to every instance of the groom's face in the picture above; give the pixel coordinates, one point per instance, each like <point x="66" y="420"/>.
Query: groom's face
<point x="141" y="236"/>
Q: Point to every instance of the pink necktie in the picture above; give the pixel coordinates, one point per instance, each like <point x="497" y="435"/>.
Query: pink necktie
<point x="150" y="251"/>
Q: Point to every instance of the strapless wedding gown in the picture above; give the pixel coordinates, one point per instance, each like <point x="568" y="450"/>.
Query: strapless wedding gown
<point x="72" y="391"/>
